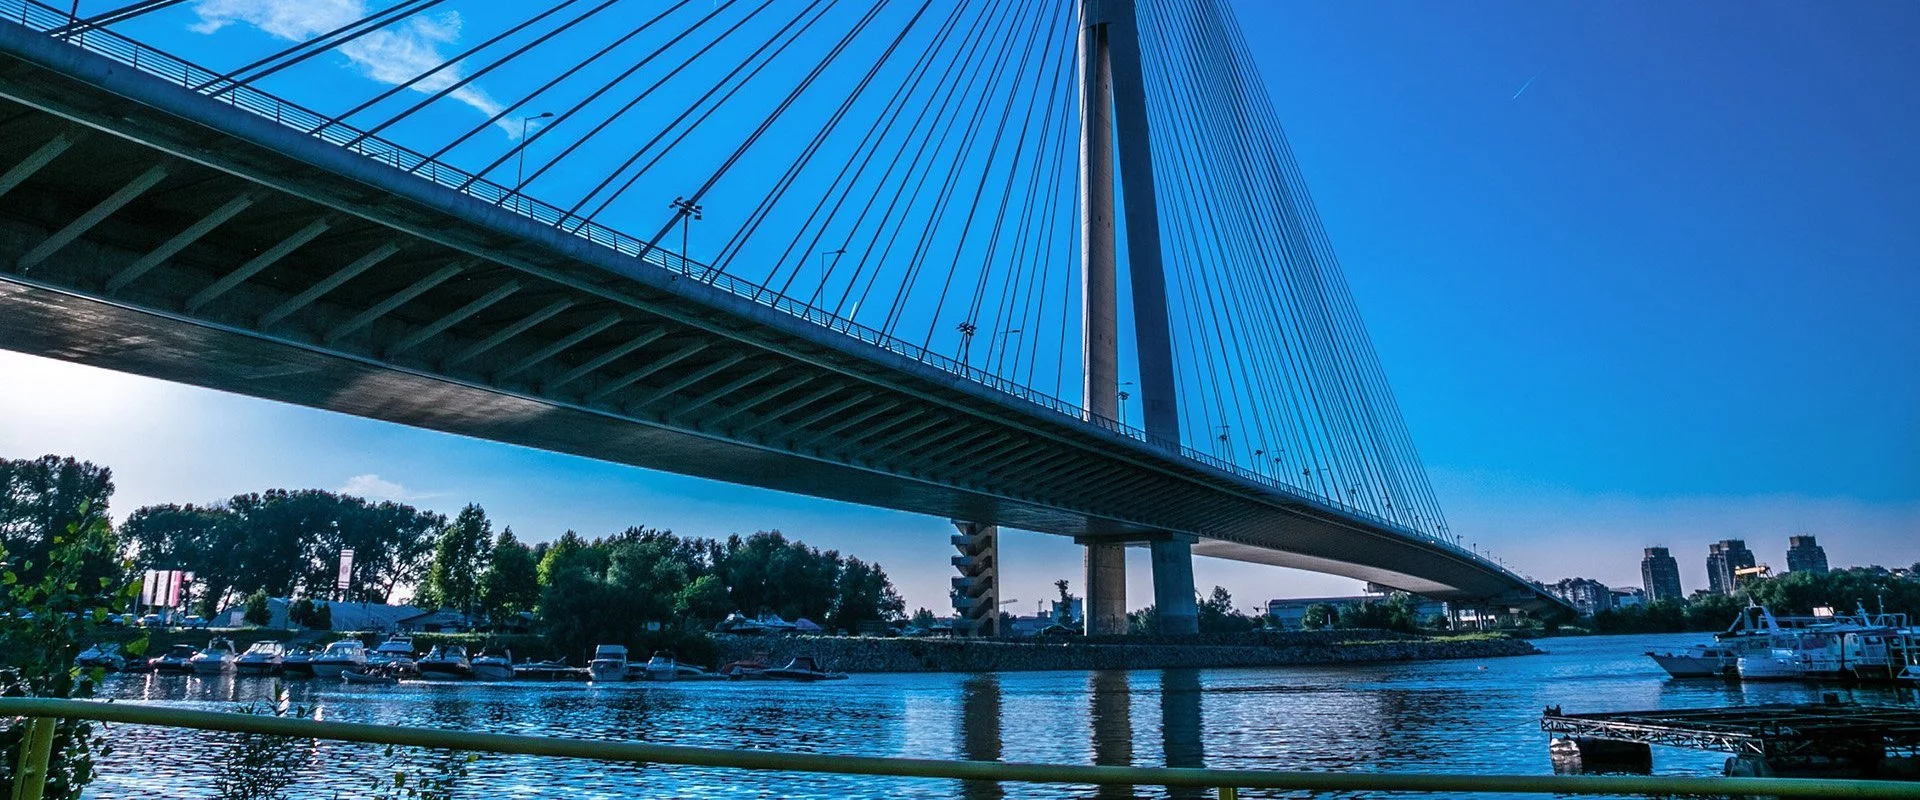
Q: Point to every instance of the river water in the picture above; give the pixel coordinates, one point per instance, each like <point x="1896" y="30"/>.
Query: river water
<point x="1445" y="716"/>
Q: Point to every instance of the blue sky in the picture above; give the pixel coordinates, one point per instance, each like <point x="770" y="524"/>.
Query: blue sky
<point x="1664" y="295"/>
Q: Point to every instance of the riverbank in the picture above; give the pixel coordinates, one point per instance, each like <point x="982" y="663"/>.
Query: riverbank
<point x="1258" y="649"/>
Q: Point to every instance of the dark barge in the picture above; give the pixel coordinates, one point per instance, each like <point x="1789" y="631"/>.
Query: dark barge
<point x="1829" y="739"/>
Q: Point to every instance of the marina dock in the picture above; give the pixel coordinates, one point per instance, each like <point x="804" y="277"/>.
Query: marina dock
<point x="1825" y="739"/>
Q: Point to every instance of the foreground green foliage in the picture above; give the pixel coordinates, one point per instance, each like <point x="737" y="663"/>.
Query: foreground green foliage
<point x="52" y="605"/>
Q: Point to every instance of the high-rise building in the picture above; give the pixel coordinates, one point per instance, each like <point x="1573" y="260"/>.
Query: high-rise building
<point x="1806" y="555"/>
<point x="1660" y="573"/>
<point x="1586" y="595"/>
<point x="1725" y="558"/>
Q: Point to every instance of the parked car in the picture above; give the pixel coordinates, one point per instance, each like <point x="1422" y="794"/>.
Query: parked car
<point x="194" y="621"/>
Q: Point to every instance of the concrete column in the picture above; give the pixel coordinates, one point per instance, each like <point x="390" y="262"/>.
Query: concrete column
<point x="1173" y="600"/>
<point x="1151" y="329"/>
<point x="1099" y="297"/>
<point x="1106" y="604"/>
<point x="976" y="592"/>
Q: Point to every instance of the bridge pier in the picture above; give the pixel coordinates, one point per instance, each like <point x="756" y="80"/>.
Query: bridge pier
<point x="976" y="592"/>
<point x="1106" y="604"/>
<point x="1173" y="599"/>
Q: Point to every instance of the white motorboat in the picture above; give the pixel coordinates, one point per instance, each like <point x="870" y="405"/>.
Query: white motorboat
<point x="609" y="664"/>
<point x="1748" y="635"/>
<point x="179" y="658"/>
<point x="298" y="662"/>
<point x="340" y="656"/>
<point x="664" y="667"/>
<point x="397" y="650"/>
<point x="263" y="658"/>
<point x="445" y="663"/>
<point x="802" y="668"/>
<point x="493" y="668"/>
<point x="217" y="659"/>
<point x="104" y="656"/>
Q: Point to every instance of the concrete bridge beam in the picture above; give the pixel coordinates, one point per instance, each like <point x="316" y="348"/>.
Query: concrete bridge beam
<point x="1106" y="605"/>
<point x="1173" y="598"/>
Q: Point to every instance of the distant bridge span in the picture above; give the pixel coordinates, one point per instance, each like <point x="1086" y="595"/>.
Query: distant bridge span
<point x="147" y="229"/>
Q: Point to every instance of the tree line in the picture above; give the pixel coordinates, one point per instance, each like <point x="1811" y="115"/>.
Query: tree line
<point x="1793" y="594"/>
<point x="286" y="543"/>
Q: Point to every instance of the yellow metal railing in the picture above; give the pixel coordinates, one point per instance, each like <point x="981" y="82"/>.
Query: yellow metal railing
<point x="40" y="715"/>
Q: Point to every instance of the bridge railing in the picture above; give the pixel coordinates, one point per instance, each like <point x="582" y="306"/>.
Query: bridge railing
<point x="173" y="69"/>
<point x="42" y="715"/>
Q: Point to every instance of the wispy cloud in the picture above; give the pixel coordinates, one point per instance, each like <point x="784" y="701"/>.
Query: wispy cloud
<point x="1523" y="87"/>
<point x="392" y="55"/>
<point x="374" y="487"/>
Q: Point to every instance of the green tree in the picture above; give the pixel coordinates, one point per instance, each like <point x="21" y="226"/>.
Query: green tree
<point x="862" y="595"/>
<point x="1319" y="616"/>
<point x="322" y="618"/>
<point x="922" y="619"/>
<point x="511" y="583"/>
<point x="704" y="601"/>
<point x="258" y="613"/>
<point x="300" y="613"/>
<point x="1216" y="614"/>
<point x="41" y="500"/>
<point x="453" y="579"/>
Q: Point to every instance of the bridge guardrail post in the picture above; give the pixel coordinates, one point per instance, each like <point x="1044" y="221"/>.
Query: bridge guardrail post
<point x="30" y="776"/>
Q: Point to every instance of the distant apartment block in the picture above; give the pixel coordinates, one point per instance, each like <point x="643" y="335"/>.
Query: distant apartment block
<point x="1586" y="595"/>
<point x="1806" y="555"/>
<point x="1725" y="559"/>
<point x="1629" y="597"/>
<point x="1660" y="575"/>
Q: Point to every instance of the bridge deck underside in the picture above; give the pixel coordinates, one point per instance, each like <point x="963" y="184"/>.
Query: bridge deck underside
<point x="150" y="231"/>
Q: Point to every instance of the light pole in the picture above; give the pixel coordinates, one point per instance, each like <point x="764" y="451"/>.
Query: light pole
<point x="1123" y="402"/>
<point x="520" y="175"/>
<point x="966" y="330"/>
<point x="689" y="211"/>
<point x="822" y="288"/>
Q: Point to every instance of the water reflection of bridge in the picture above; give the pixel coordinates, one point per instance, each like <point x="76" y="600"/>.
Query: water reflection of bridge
<point x="1110" y="712"/>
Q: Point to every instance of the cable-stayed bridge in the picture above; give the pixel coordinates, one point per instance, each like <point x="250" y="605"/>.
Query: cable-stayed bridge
<point x="868" y="252"/>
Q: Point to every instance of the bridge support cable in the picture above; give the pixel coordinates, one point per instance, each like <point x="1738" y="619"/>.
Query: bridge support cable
<point x="329" y="41"/>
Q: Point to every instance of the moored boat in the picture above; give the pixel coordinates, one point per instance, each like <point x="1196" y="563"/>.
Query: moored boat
<point x="363" y="676"/>
<point x="745" y="669"/>
<point x="340" y="656"/>
<point x="609" y="664"/>
<point x="263" y="658"/>
<point x="217" y="659"/>
<point x="103" y="656"/>
<point x="446" y="662"/>
<point x="664" y="667"/>
<point x="397" y="650"/>
<point x="493" y="668"/>
<point x="802" y="668"/>
<point x="178" y="658"/>
<point x="298" y="662"/>
<point x="547" y="671"/>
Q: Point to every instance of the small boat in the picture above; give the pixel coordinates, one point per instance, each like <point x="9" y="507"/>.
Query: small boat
<point x="802" y="668"/>
<point x="664" y="667"/>
<point x="103" y="656"/>
<point x="547" y="671"/>
<point x="397" y="647"/>
<point x="179" y="658"/>
<point x="609" y="664"/>
<point x="745" y="669"/>
<point x="493" y="668"/>
<point x="217" y="659"/>
<point x="340" y="656"/>
<point x="365" y="677"/>
<point x="446" y="662"/>
<point x="263" y="658"/>
<point x="298" y="662"/>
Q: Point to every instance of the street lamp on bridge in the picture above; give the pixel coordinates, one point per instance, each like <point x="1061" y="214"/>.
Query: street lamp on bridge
<point x="520" y="172"/>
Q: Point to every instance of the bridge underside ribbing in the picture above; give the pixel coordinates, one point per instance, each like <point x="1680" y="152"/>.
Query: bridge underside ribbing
<point x="147" y="230"/>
